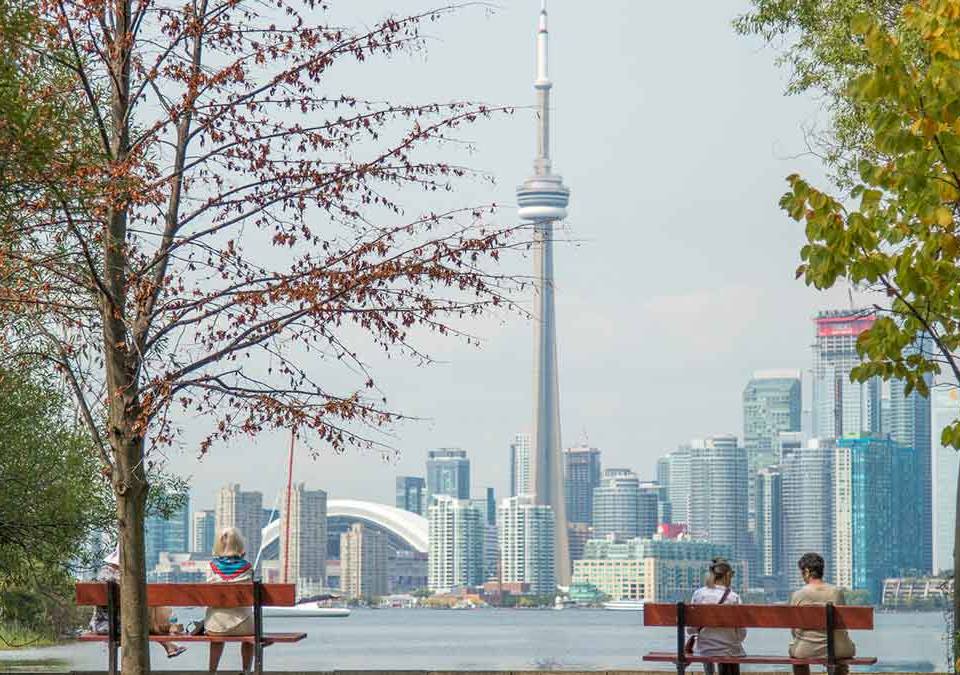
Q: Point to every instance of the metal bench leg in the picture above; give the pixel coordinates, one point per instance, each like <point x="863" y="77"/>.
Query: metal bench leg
<point x="258" y="627"/>
<point x="681" y="639"/>
<point x="113" y="626"/>
<point x="831" y="647"/>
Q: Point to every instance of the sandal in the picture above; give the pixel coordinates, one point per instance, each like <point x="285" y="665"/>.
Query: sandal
<point x="176" y="652"/>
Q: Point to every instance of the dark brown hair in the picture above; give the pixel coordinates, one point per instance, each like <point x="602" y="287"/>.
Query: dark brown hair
<point x="813" y="564"/>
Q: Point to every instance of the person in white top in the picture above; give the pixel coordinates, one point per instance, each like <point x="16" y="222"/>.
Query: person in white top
<point x="718" y="641"/>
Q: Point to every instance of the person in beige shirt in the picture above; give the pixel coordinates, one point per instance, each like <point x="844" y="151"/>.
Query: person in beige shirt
<point x="812" y="644"/>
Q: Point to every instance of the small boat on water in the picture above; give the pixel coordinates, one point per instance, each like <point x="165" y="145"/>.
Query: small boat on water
<point x="308" y="609"/>
<point x="624" y="605"/>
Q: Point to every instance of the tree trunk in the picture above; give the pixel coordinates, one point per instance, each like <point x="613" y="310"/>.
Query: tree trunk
<point x="131" y="506"/>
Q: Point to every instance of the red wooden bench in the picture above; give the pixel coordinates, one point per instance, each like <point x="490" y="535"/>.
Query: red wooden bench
<point x="808" y="617"/>
<point x="256" y="595"/>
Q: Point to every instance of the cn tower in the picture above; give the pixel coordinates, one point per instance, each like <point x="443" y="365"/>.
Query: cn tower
<point x="543" y="201"/>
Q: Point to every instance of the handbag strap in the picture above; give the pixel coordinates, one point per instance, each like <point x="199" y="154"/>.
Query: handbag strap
<point x="723" y="598"/>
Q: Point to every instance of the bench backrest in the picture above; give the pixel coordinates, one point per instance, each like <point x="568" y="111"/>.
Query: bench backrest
<point x="197" y="595"/>
<point x="807" y="617"/>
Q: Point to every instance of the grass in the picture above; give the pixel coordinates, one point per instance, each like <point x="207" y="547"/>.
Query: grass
<point x="14" y="636"/>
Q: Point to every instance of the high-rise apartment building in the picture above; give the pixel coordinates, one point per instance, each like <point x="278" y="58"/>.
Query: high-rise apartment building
<point x="908" y="423"/>
<point x="650" y="498"/>
<point x="305" y="564"/>
<point x="448" y="473"/>
<point x="807" y="499"/>
<point x="520" y="450"/>
<point x="946" y="463"/>
<point x="363" y="562"/>
<point x="411" y="494"/>
<point x="616" y="505"/>
<point x="487" y="505"/>
<point x="527" y="544"/>
<point x="769" y="522"/>
<point x="718" y="506"/>
<point x="456" y="539"/>
<point x="771" y="405"/>
<point x="841" y="407"/>
<point x="204" y="532"/>
<point x="581" y="475"/>
<point x="866" y="545"/>
<point x="170" y="535"/>
<point x="673" y="474"/>
<point x="244" y="511"/>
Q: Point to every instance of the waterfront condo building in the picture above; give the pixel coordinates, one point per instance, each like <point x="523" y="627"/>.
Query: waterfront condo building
<point x="448" y="473"/>
<point x="616" y="505"/>
<point x="305" y="564"/>
<point x="526" y="538"/>
<point x="456" y="542"/>
<point x="581" y="475"/>
<point x="807" y="503"/>
<point x="520" y="450"/>
<point x="718" y="507"/>
<point x="771" y="405"/>
<point x="673" y="474"/>
<point x="411" y="494"/>
<point x="946" y="463"/>
<point x="768" y="531"/>
<point x="204" y="532"/>
<point x="363" y="563"/>
<point x="842" y="407"/>
<point x="244" y="511"/>
<point x="652" y="570"/>
<point x="167" y="535"/>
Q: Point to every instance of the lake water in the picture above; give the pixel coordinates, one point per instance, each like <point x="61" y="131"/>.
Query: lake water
<point x="499" y="639"/>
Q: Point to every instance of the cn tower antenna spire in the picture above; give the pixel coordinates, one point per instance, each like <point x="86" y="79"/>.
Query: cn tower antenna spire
<point x="543" y="199"/>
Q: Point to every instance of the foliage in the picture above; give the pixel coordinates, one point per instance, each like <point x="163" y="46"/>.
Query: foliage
<point x="822" y="56"/>
<point x="235" y="242"/>
<point x="895" y="230"/>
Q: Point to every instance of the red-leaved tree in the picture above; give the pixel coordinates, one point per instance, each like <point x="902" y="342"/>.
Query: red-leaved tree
<point x="235" y="224"/>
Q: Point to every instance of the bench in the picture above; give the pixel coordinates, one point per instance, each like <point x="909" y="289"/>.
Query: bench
<point x="808" y="617"/>
<point x="257" y="595"/>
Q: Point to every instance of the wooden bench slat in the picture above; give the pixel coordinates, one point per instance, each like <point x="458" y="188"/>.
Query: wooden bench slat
<point x="808" y="617"/>
<point x="671" y="657"/>
<point x="197" y="595"/>
<point x="267" y="638"/>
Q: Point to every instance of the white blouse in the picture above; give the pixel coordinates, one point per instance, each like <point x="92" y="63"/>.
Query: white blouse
<point x="717" y="641"/>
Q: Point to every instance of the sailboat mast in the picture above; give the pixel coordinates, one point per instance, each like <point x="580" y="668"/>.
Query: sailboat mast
<point x="286" y="511"/>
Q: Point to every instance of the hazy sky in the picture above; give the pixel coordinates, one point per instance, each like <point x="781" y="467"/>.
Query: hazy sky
<point x="674" y="137"/>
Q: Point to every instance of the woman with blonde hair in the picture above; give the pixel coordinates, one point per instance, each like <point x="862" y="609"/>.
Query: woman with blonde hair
<point x="717" y="641"/>
<point x="229" y="567"/>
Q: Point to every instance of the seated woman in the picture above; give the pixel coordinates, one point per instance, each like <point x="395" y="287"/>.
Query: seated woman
<point x="229" y="567"/>
<point x="159" y="616"/>
<point x="812" y="644"/>
<point x="718" y="641"/>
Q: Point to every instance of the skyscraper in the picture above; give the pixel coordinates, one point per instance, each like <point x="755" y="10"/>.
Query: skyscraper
<point x="616" y="505"/>
<point x="411" y="494"/>
<point x="769" y="522"/>
<point x="448" y="473"/>
<point x="946" y="463"/>
<point x="841" y="407"/>
<point x="242" y="510"/>
<point x="306" y="562"/>
<point x="808" y="514"/>
<point x="909" y="426"/>
<point x="363" y="562"/>
<point x="866" y="547"/>
<point x="543" y="201"/>
<point x="526" y="544"/>
<point x="456" y="539"/>
<point x="718" y="494"/>
<point x="649" y="499"/>
<point x="581" y="474"/>
<point x="204" y="532"/>
<point x="673" y="474"/>
<point x="171" y="535"/>
<point x="520" y="464"/>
